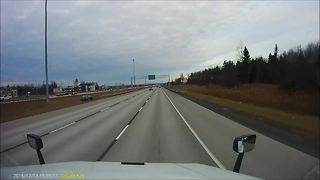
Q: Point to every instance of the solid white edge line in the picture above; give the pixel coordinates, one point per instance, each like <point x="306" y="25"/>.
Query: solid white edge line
<point x="197" y="137"/>
<point x="62" y="127"/>
<point x="102" y="110"/>
<point x="122" y="132"/>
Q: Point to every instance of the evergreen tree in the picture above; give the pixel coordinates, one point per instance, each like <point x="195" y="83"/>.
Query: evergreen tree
<point x="275" y="54"/>
<point x="244" y="67"/>
<point x="295" y="69"/>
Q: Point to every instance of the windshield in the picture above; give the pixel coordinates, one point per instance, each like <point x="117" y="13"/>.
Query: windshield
<point x="200" y="82"/>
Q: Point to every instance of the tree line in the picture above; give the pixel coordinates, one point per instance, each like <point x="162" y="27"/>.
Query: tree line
<point x="297" y="68"/>
<point x="33" y="89"/>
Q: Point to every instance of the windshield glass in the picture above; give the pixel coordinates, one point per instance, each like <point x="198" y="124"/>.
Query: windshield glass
<point x="228" y="84"/>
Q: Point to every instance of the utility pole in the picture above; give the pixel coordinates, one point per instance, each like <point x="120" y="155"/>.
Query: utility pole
<point x="46" y="49"/>
<point x="134" y="73"/>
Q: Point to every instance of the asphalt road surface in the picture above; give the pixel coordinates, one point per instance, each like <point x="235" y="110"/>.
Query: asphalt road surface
<point x="149" y="126"/>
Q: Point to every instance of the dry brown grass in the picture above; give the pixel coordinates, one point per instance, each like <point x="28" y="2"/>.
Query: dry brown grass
<point x="295" y="111"/>
<point x="265" y="95"/>
<point x="11" y="111"/>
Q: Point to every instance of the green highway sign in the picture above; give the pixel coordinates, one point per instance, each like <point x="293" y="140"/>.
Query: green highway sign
<point x="151" y="77"/>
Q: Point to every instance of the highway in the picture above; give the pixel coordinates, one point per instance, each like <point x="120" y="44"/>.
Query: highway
<point x="148" y="126"/>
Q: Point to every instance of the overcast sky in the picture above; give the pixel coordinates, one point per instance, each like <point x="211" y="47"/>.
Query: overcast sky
<point x="96" y="40"/>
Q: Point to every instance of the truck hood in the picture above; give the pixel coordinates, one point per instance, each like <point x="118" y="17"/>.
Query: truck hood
<point x="116" y="170"/>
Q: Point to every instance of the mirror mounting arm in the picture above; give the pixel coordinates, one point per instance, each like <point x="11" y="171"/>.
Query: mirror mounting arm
<point x="41" y="160"/>
<point x="237" y="165"/>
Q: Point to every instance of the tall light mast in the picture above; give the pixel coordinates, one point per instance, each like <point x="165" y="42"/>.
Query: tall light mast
<point x="134" y="73"/>
<point x="46" y="49"/>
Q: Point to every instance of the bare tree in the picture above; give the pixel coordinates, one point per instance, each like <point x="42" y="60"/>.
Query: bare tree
<point x="239" y="50"/>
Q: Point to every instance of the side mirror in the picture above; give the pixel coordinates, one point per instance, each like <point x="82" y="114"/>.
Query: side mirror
<point x="35" y="142"/>
<point x="242" y="144"/>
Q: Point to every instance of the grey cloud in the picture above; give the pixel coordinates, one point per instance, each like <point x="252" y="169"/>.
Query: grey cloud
<point x="96" y="39"/>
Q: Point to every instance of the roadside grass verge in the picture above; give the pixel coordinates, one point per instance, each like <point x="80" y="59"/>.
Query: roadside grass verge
<point x="296" y="112"/>
<point x="16" y="110"/>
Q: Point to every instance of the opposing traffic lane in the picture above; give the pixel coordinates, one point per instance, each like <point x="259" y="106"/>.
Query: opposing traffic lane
<point x="158" y="134"/>
<point x="13" y="132"/>
<point x="270" y="159"/>
<point x="85" y="140"/>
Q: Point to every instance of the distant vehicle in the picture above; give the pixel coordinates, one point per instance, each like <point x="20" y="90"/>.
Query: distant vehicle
<point x="62" y="93"/>
<point x="86" y="97"/>
<point x="151" y="89"/>
<point x="6" y="98"/>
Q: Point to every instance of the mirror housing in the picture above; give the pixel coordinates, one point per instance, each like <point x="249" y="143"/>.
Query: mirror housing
<point x="244" y="143"/>
<point x="35" y="141"/>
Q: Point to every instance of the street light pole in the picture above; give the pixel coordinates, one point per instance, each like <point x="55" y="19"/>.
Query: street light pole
<point x="45" y="50"/>
<point x="134" y="73"/>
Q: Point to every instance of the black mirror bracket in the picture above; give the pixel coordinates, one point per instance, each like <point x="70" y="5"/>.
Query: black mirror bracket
<point x="41" y="160"/>
<point x="237" y="165"/>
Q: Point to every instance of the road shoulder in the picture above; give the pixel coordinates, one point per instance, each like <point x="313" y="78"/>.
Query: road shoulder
<point x="307" y="145"/>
